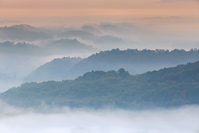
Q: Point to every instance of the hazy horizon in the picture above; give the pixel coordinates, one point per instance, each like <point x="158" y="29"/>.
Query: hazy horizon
<point x="33" y="33"/>
<point x="150" y="24"/>
<point x="64" y="12"/>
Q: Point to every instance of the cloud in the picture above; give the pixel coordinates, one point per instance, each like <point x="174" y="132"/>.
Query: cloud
<point x="108" y="39"/>
<point x="83" y="34"/>
<point x="179" y="120"/>
<point x="109" y="42"/>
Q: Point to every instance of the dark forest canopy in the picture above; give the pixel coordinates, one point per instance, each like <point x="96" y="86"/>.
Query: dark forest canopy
<point x="168" y="87"/>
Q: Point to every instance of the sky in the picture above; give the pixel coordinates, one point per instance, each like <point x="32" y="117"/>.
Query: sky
<point x="67" y="12"/>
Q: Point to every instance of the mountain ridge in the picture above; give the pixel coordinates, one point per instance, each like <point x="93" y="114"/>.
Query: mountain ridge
<point x="133" y="60"/>
<point x="98" y="89"/>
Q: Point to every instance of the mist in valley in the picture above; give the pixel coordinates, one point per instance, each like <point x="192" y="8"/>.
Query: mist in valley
<point x="107" y="120"/>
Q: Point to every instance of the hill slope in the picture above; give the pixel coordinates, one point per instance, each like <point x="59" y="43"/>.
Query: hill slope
<point x="167" y="87"/>
<point x="134" y="61"/>
<point x="55" y="70"/>
<point x="22" y="32"/>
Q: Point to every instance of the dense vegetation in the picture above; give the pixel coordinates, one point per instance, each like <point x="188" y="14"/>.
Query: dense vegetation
<point x="133" y="60"/>
<point x="168" y="87"/>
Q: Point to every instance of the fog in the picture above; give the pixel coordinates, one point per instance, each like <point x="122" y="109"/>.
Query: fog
<point x="65" y="120"/>
<point x="23" y="49"/>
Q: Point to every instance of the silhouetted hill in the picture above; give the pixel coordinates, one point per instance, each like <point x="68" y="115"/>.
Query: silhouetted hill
<point x="24" y="27"/>
<point x="10" y="48"/>
<point x="133" y="60"/>
<point x="22" y="32"/>
<point x="57" y="69"/>
<point x="136" y="61"/>
<point x="169" y="87"/>
<point x="68" y="45"/>
<point x="55" y="47"/>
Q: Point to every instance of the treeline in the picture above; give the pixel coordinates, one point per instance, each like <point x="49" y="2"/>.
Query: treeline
<point x="169" y="87"/>
<point x="133" y="60"/>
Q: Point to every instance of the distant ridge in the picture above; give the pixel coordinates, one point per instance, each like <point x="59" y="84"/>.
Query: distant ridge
<point x="133" y="60"/>
<point x="22" y="32"/>
<point x="168" y="87"/>
<point x="57" y="69"/>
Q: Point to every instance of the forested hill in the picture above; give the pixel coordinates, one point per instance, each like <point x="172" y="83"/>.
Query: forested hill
<point x="180" y="73"/>
<point x="169" y="87"/>
<point x="133" y="60"/>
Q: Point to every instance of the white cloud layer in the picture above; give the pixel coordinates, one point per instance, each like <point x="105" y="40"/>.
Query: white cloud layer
<point x="179" y="120"/>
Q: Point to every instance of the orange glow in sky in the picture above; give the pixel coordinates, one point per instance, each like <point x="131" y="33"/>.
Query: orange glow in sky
<point x="40" y="12"/>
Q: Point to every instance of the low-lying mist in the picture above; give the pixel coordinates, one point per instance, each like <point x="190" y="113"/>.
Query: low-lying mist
<point x="65" y="120"/>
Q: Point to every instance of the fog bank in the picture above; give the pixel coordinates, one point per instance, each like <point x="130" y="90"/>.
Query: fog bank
<point x="179" y="120"/>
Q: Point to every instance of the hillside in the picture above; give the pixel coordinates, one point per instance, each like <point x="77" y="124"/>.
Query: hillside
<point x="57" y="69"/>
<point x="27" y="33"/>
<point x="168" y="87"/>
<point x="133" y="60"/>
<point x="10" y="48"/>
<point x="68" y="46"/>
